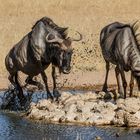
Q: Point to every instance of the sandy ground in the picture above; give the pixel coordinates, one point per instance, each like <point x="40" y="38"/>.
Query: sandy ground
<point x="80" y="80"/>
<point x="87" y="16"/>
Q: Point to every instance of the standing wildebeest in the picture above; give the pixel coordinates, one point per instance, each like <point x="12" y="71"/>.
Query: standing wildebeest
<point x="120" y="47"/>
<point x="47" y="43"/>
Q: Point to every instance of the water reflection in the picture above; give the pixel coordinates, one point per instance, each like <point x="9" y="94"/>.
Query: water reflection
<point x="13" y="127"/>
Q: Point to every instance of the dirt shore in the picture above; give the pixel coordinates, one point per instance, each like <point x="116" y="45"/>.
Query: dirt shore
<point x="88" y="17"/>
<point x="75" y="80"/>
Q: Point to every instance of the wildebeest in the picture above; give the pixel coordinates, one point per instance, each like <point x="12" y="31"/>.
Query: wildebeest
<point x="47" y="43"/>
<point x="120" y="46"/>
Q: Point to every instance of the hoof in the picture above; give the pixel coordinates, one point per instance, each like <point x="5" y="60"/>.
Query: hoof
<point x="40" y="87"/>
<point x="56" y="94"/>
<point x="50" y="96"/>
<point x="23" y="102"/>
<point x="104" y="90"/>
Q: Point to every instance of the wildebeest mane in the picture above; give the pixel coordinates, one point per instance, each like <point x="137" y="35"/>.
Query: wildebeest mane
<point x="49" y="22"/>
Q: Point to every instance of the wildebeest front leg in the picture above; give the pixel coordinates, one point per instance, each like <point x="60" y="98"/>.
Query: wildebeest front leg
<point x="119" y="82"/>
<point x="44" y="77"/>
<point x="30" y="81"/>
<point x="123" y="80"/>
<point x="55" y="90"/>
<point x="131" y="84"/>
<point x="106" y="77"/>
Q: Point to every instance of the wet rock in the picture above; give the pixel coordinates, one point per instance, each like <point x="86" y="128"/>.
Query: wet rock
<point x="58" y="115"/>
<point x="87" y="109"/>
<point x="110" y="106"/>
<point x="89" y="96"/>
<point x="117" y="135"/>
<point x="32" y="105"/>
<point x="70" y="117"/>
<point x="89" y="105"/>
<point x="70" y="112"/>
<point x="108" y="115"/>
<point x="109" y="96"/>
<point x="119" y="118"/>
<point x="37" y="114"/>
<point x="1" y="101"/>
<point x="99" y="107"/>
<point x="137" y="131"/>
<point x="81" y="118"/>
<point x="131" y="105"/>
<point x="137" y="114"/>
<point x="98" y="138"/>
<point x="70" y="107"/>
<point x="101" y="95"/>
<point x="46" y="105"/>
<point x="100" y="119"/>
<point x="64" y="96"/>
<point x="131" y="120"/>
<point x="72" y="99"/>
<point x="79" y="105"/>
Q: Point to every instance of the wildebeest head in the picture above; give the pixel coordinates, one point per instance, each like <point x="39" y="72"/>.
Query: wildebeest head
<point x="62" y="51"/>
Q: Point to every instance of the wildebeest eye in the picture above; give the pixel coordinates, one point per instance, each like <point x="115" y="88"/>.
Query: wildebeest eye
<point x="50" y="23"/>
<point x="69" y="53"/>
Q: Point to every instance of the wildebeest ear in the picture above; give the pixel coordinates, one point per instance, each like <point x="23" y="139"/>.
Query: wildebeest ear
<point x="63" y="32"/>
<point x="68" y="41"/>
<point x="50" y="38"/>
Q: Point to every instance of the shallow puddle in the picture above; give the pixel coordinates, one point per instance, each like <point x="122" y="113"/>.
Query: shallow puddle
<point x="13" y="127"/>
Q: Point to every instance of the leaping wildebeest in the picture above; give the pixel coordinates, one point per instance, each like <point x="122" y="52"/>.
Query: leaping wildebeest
<point x="120" y="46"/>
<point x="46" y="44"/>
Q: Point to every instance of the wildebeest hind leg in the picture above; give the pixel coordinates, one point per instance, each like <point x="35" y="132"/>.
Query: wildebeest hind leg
<point x="20" y="91"/>
<point x="105" y="87"/>
<point x="119" y="82"/>
<point x="30" y="81"/>
<point x="123" y="81"/>
<point x="44" y="77"/>
<point x="131" y="85"/>
<point x="11" y="79"/>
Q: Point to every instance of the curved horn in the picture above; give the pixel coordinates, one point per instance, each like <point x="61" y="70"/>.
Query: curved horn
<point x="80" y="37"/>
<point x="50" y="38"/>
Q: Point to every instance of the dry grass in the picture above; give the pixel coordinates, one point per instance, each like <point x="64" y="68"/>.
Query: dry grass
<point x="87" y="16"/>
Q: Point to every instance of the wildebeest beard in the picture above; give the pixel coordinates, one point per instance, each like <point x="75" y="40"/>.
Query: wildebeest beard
<point x="60" y="58"/>
<point x="55" y="54"/>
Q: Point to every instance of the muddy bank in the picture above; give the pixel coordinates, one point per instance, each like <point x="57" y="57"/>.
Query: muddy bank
<point x="75" y="80"/>
<point x="89" y="109"/>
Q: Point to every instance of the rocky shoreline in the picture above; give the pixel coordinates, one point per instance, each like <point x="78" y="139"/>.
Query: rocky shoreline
<point x="88" y="108"/>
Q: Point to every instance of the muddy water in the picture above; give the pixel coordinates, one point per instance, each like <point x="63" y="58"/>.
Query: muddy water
<point x="13" y="127"/>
